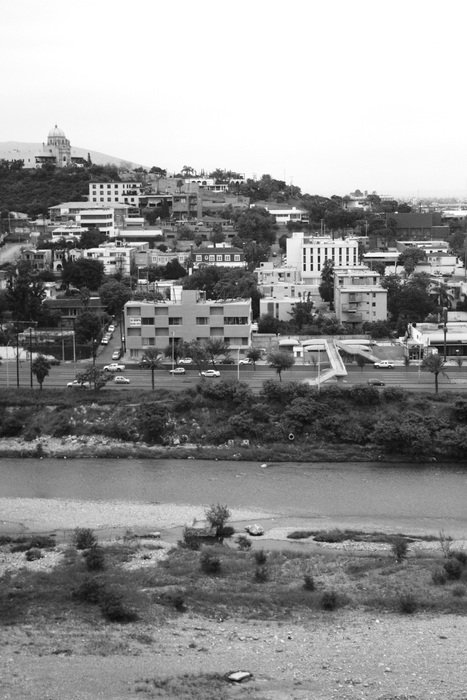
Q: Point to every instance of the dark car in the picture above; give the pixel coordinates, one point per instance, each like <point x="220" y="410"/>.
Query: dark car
<point x="376" y="382"/>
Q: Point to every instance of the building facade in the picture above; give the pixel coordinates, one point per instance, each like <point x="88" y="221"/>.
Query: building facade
<point x="115" y="192"/>
<point x="308" y="254"/>
<point x="186" y="316"/>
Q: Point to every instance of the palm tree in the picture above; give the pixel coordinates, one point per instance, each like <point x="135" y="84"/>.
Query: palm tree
<point x="152" y="359"/>
<point x="435" y="364"/>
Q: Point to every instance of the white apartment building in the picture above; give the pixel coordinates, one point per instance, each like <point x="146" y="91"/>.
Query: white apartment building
<point x="284" y="214"/>
<point x="359" y="297"/>
<point x="116" y="259"/>
<point x="308" y="254"/>
<point x="267" y="274"/>
<point x="115" y="192"/>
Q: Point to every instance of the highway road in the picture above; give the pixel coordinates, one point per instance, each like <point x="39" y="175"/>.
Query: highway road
<point x="455" y="379"/>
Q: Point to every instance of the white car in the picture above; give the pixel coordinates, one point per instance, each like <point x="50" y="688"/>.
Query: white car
<point x="114" y="367"/>
<point x="116" y="355"/>
<point x="177" y="370"/>
<point x="75" y="384"/>
<point x="383" y="364"/>
<point x="119" y="379"/>
<point x="246" y="361"/>
<point x="210" y="373"/>
<point x="105" y="341"/>
<point x="111" y="329"/>
<point x="185" y="361"/>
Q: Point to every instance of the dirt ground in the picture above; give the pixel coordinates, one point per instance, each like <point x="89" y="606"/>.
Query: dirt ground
<point x="342" y="655"/>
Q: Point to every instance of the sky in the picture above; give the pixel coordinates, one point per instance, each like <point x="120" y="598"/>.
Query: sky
<point x="329" y="95"/>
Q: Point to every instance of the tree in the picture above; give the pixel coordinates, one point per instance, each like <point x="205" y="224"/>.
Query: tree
<point x="256" y="224"/>
<point x="91" y="238"/>
<point x="87" y="327"/>
<point x="95" y="376"/>
<point x="114" y="296"/>
<point x="280" y="361"/>
<point x="40" y="368"/>
<point x="197" y="351"/>
<point x="217" y="235"/>
<point x="152" y="359"/>
<point x="215" y="348"/>
<point x="302" y="314"/>
<point x="25" y="294"/>
<point x="435" y="364"/>
<point x="217" y="516"/>
<point x="254" y="354"/>
<point x="410" y="258"/>
<point x="326" y="288"/>
<point x="84" y="272"/>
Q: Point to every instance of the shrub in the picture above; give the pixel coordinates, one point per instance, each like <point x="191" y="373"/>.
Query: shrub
<point x="244" y="543"/>
<point x="309" y="583"/>
<point x="453" y="569"/>
<point x="261" y="574"/>
<point x="95" y="558"/>
<point x="114" y="609"/>
<point x="227" y="531"/>
<point x="89" y="591"/>
<point x="217" y="516"/>
<point x="33" y="554"/>
<point x="439" y="577"/>
<point x="190" y="539"/>
<point x="459" y="591"/>
<point x="210" y="563"/>
<point x="84" y="538"/>
<point x="329" y="600"/>
<point x="460" y="555"/>
<point x="260" y="557"/>
<point x="399" y="548"/>
<point x="407" y="603"/>
<point x="299" y="534"/>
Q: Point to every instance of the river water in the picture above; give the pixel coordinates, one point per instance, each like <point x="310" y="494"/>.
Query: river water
<point x="430" y="497"/>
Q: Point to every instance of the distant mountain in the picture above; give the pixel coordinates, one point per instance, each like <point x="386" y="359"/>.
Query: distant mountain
<point x="17" y="150"/>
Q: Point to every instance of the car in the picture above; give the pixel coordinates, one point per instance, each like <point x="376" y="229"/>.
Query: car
<point x="376" y="382"/>
<point x="177" y="370"/>
<point x="75" y="384"/>
<point x="119" y="379"/>
<point x="383" y="364"/>
<point x="111" y="328"/>
<point x="116" y="355"/>
<point x="105" y="341"/>
<point x="210" y="373"/>
<point x="114" y="367"/>
<point x="185" y="361"/>
<point x="255" y="530"/>
<point x="245" y="361"/>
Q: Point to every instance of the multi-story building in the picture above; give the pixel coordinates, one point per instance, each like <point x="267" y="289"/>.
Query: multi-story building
<point x="284" y="214"/>
<point x="115" y="259"/>
<point x="220" y="255"/>
<point x="37" y="259"/>
<point x="359" y="297"/>
<point x="186" y="316"/>
<point x="116" y="192"/>
<point x="308" y="254"/>
<point x="86" y="214"/>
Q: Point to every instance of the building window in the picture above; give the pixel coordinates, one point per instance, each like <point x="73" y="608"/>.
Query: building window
<point x="199" y="258"/>
<point x="211" y="258"/>
<point x="175" y="321"/>
<point x="235" y="320"/>
<point x="219" y="258"/>
<point x="202" y="321"/>
<point x="147" y="321"/>
<point x="227" y="258"/>
<point x="236" y="258"/>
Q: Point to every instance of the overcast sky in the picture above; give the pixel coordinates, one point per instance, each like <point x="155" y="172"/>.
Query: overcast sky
<point x="331" y="95"/>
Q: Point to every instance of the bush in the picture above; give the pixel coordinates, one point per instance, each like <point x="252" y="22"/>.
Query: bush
<point x="94" y="558"/>
<point x="460" y="555"/>
<point x="261" y="574"/>
<point x="244" y="543"/>
<point x="190" y="539"/>
<point x="217" y="516"/>
<point x="439" y="577"/>
<point x="84" y="538"/>
<point x="260" y="557"/>
<point x="407" y="603"/>
<point x="329" y="600"/>
<point x="453" y="569"/>
<point x="210" y="563"/>
<point x="114" y="609"/>
<point x="399" y="548"/>
<point x="89" y="591"/>
<point x="300" y="534"/>
<point x="459" y="591"/>
<point x="33" y="554"/>
<point x="309" y="583"/>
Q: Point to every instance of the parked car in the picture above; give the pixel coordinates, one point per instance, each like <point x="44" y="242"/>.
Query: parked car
<point x="245" y="361"/>
<point x="185" y="361"/>
<point x="111" y="328"/>
<point x="177" y="370"/>
<point x="376" y="382"/>
<point x="116" y="355"/>
<point x="383" y="364"/>
<point x="210" y="373"/>
<point x="105" y="340"/>
<point x="119" y="379"/>
<point x="114" y="367"/>
<point x="75" y="384"/>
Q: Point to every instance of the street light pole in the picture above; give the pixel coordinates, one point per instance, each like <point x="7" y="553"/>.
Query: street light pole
<point x="30" y="353"/>
<point x="173" y="353"/>
<point x="238" y="364"/>
<point x="445" y="330"/>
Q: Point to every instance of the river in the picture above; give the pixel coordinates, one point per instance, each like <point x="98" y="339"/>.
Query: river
<point x="430" y="498"/>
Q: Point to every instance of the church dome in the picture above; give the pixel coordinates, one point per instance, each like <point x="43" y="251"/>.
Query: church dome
<point x="56" y="133"/>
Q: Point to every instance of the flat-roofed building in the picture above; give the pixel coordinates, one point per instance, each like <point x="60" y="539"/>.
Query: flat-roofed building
<point x="309" y="253"/>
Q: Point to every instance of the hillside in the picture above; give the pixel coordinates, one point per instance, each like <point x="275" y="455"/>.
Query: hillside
<point x="18" y="150"/>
